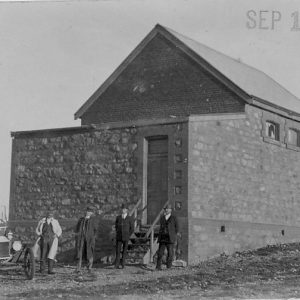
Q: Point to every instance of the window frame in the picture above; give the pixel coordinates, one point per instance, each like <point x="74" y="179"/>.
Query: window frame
<point x="279" y="122"/>
<point x="297" y="132"/>
<point x="295" y="126"/>
<point x="276" y="134"/>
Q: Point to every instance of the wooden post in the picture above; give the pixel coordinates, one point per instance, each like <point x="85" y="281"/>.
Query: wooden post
<point x="135" y="219"/>
<point x="151" y="245"/>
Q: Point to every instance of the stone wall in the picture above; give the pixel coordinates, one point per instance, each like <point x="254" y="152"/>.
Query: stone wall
<point x="66" y="170"/>
<point x="243" y="188"/>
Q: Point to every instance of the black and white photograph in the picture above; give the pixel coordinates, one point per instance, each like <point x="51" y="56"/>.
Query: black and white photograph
<point x="150" y="149"/>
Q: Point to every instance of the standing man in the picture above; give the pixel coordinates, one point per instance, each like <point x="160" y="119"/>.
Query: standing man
<point x="124" y="229"/>
<point x="167" y="236"/>
<point x="49" y="231"/>
<point x="86" y="230"/>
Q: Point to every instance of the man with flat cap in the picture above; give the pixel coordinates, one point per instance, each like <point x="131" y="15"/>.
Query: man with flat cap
<point x="85" y="231"/>
<point x="167" y="236"/>
<point x="124" y="228"/>
<point x="48" y="230"/>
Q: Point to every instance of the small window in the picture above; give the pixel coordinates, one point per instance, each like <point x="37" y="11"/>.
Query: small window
<point x="272" y="130"/>
<point x="294" y="137"/>
<point x="178" y="190"/>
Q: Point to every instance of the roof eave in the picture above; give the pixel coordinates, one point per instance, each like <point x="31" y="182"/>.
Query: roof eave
<point x="264" y="104"/>
<point x="82" y="128"/>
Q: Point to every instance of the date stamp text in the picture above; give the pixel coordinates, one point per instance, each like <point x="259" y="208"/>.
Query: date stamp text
<point x="270" y="20"/>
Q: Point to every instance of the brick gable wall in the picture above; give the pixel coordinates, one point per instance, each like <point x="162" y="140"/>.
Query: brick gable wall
<point x="161" y="81"/>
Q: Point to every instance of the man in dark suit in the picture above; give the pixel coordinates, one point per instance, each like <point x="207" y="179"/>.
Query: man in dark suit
<point x="86" y="231"/>
<point x="124" y="229"/>
<point x="167" y="236"/>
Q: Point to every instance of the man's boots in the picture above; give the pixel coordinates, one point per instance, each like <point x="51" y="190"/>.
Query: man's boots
<point x="50" y="266"/>
<point x="42" y="266"/>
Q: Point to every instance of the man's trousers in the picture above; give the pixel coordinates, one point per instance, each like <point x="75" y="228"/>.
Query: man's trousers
<point x="118" y="252"/>
<point x="160" y="254"/>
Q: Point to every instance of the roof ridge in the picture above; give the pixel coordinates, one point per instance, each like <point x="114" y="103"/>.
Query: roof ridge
<point x="208" y="47"/>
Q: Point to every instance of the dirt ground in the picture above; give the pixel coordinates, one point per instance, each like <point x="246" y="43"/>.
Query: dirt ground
<point x="267" y="273"/>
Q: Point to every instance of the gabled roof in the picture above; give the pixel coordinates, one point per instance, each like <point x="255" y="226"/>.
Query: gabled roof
<point x="252" y="85"/>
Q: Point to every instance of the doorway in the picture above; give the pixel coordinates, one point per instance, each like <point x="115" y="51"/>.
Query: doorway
<point x="157" y="176"/>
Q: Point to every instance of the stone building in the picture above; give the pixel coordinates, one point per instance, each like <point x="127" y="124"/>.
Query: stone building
<point x="178" y="122"/>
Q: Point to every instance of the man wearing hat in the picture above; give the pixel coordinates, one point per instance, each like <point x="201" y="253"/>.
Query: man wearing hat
<point x="49" y="231"/>
<point x="86" y="230"/>
<point x="124" y="229"/>
<point x="167" y="236"/>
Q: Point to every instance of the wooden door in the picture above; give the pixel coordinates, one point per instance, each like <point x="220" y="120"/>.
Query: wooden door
<point x="157" y="176"/>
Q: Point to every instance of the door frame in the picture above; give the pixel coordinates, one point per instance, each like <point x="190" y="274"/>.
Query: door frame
<point x="144" y="134"/>
<point x="148" y="141"/>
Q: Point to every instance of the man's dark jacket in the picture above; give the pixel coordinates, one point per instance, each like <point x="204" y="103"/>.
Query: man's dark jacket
<point x="168" y="230"/>
<point x="88" y="235"/>
<point x="124" y="228"/>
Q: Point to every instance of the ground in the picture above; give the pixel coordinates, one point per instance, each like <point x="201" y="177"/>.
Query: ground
<point x="265" y="273"/>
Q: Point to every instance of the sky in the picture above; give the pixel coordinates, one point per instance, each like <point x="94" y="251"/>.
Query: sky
<point x="55" y="54"/>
